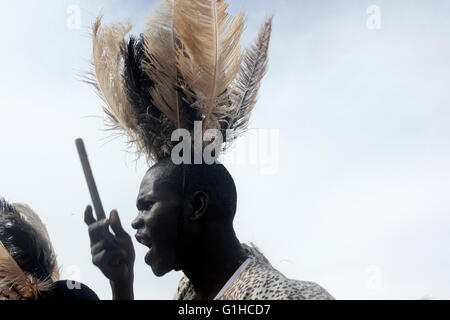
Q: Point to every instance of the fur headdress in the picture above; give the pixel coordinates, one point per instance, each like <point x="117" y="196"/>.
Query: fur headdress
<point x="28" y="264"/>
<point x="187" y="66"/>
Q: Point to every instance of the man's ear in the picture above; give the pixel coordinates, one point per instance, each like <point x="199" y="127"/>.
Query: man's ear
<point x="199" y="202"/>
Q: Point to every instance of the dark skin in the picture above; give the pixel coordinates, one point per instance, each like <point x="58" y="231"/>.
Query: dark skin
<point x="112" y="253"/>
<point x="204" y="247"/>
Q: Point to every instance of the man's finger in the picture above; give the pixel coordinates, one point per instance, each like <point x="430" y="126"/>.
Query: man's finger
<point x="99" y="231"/>
<point x="88" y="216"/>
<point x="116" y="225"/>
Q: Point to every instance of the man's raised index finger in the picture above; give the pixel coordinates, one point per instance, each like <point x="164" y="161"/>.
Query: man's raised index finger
<point x="88" y="216"/>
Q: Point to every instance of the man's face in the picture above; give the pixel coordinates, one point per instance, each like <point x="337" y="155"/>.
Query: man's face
<point x="160" y="206"/>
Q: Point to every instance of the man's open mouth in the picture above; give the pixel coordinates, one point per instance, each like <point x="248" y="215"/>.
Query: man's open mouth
<point x="143" y="240"/>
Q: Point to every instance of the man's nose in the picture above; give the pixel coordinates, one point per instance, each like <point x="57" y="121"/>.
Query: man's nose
<point x="138" y="222"/>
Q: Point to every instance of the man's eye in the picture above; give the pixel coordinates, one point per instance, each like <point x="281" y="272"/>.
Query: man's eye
<point x="147" y="207"/>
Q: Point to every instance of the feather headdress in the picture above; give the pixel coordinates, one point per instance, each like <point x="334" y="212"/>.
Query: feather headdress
<point x="187" y="66"/>
<point x="28" y="264"/>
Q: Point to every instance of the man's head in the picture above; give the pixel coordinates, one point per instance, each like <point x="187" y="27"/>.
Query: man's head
<point x="181" y="208"/>
<point x="28" y="266"/>
<point x="25" y="240"/>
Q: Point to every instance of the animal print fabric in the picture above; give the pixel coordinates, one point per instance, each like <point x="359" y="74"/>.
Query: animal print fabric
<point x="260" y="281"/>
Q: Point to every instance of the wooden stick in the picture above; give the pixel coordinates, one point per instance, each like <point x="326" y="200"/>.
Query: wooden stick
<point x="90" y="180"/>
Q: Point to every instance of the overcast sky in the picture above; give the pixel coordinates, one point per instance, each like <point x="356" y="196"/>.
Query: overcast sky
<point x="354" y="194"/>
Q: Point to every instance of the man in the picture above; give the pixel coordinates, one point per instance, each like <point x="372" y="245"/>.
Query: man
<point x="28" y="268"/>
<point x="192" y="231"/>
<point x="186" y="68"/>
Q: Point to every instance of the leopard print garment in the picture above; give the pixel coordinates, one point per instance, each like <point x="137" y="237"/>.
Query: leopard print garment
<point x="260" y="281"/>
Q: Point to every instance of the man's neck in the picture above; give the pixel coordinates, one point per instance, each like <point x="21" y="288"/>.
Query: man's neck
<point x="213" y="266"/>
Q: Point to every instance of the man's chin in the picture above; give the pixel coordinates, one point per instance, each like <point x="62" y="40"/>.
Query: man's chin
<point x="148" y="257"/>
<point x="158" y="269"/>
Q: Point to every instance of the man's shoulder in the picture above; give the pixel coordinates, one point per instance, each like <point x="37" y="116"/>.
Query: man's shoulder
<point x="305" y="290"/>
<point x="267" y="283"/>
<point x="262" y="281"/>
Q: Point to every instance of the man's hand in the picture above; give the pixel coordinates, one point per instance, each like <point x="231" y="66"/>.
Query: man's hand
<point x="112" y="253"/>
